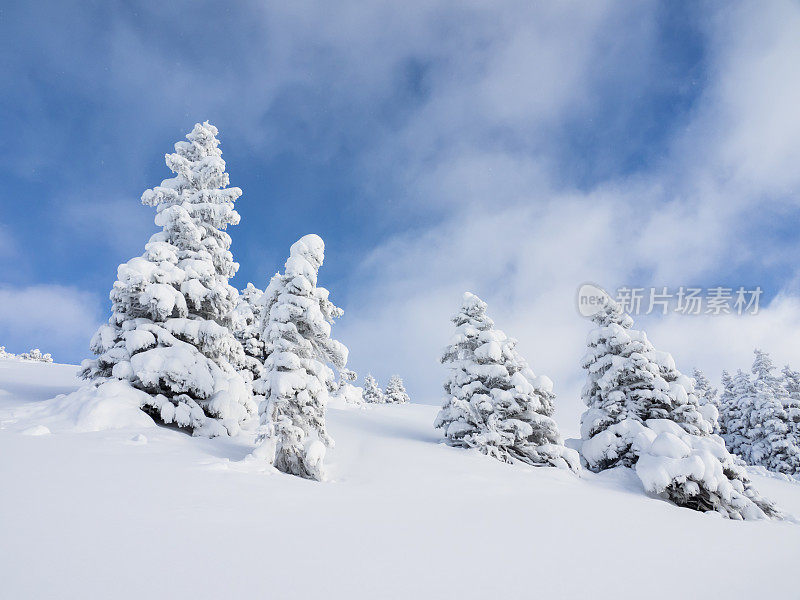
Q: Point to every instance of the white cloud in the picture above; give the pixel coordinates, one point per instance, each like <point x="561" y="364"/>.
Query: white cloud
<point x="747" y="127"/>
<point x="512" y="235"/>
<point x="56" y="319"/>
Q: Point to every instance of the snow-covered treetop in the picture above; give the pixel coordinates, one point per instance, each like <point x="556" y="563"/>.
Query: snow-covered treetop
<point x="306" y="257"/>
<point x="296" y="291"/>
<point x="200" y="171"/>
<point x="763" y="367"/>
<point x="612" y="312"/>
<point x="472" y="307"/>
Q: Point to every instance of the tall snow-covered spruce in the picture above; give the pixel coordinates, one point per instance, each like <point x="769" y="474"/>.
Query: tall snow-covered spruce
<point x="169" y="333"/>
<point x="297" y="378"/>
<point x="494" y="402"/>
<point x="643" y="413"/>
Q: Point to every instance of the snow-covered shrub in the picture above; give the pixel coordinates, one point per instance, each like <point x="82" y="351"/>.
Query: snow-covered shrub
<point x="346" y="391"/>
<point x="396" y="391"/>
<point x="494" y="402"/>
<point x="696" y="471"/>
<point x="169" y="333"/>
<point x="34" y="355"/>
<point x="373" y="394"/>
<point x="642" y="412"/>
<point x="707" y="399"/>
<point x="297" y="380"/>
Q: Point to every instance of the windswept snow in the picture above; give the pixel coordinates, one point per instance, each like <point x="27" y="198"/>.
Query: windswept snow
<point x="149" y="512"/>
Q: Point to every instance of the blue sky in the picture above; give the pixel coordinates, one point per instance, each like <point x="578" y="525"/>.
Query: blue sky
<point x="517" y="151"/>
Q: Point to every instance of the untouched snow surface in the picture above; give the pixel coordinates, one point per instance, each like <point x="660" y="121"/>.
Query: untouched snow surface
<point x="148" y="512"/>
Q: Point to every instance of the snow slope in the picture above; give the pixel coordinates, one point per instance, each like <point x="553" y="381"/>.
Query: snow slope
<point x="149" y="512"/>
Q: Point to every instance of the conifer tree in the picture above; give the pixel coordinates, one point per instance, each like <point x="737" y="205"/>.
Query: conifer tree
<point x="297" y="379"/>
<point x="707" y="399"/>
<point x="737" y="434"/>
<point x="373" y="394"/>
<point x="642" y="412"/>
<point x="494" y="402"/>
<point x="791" y="382"/>
<point x="169" y="334"/>
<point x="247" y="325"/>
<point x="726" y="400"/>
<point x="772" y="440"/>
<point x="396" y="391"/>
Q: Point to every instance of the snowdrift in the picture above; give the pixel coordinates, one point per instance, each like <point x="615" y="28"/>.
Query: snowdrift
<point x="109" y="505"/>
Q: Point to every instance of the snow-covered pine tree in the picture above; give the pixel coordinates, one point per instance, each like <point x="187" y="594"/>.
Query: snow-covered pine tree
<point x="773" y="444"/>
<point x="726" y="401"/>
<point x="373" y="394"/>
<point x="642" y="412"/>
<point x="791" y="382"/>
<point x="297" y="380"/>
<point x="396" y="391"/>
<point x="620" y="383"/>
<point x="707" y="398"/>
<point x="736" y="431"/>
<point x="169" y="334"/>
<point x="494" y="402"/>
<point x="247" y="326"/>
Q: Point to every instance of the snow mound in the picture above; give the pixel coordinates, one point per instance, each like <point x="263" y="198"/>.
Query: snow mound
<point x="110" y="405"/>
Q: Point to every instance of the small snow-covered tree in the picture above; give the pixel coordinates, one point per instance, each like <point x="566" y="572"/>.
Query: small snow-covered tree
<point x="772" y="440"/>
<point x="396" y="391"/>
<point x="726" y="400"/>
<point x="642" y="412"/>
<point x="169" y="332"/>
<point x="791" y="382"/>
<point x="373" y="394"/>
<point x="297" y="380"/>
<point x="247" y="327"/>
<point x="707" y="399"/>
<point x="737" y="403"/>
<point x="4" y="354"/>
<point x="494" y="402"/>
